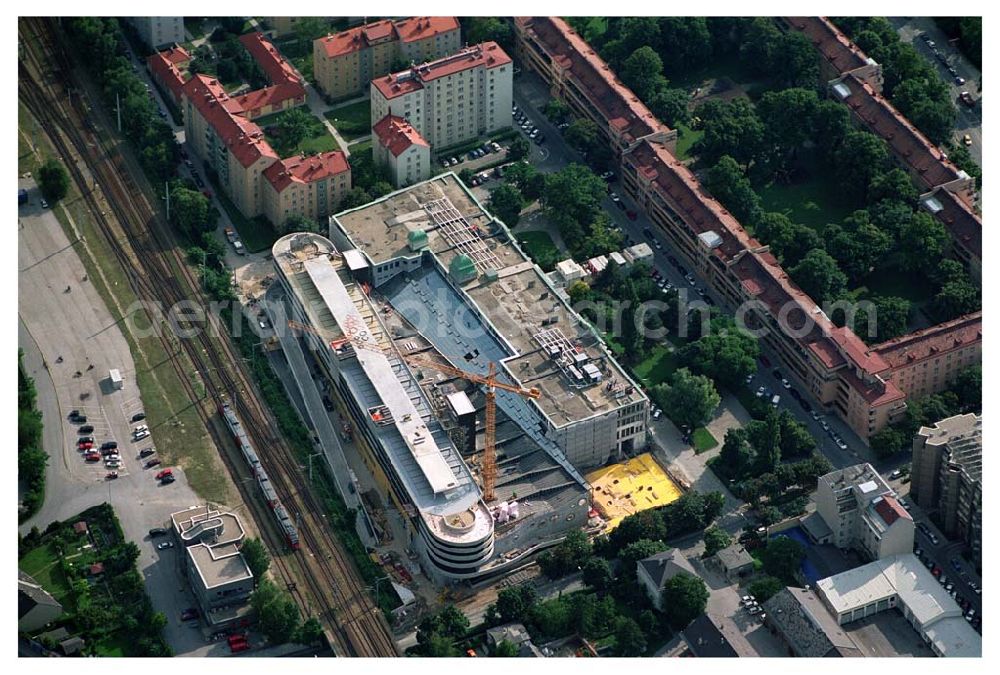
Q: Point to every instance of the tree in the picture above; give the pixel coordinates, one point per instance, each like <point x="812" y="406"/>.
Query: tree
<point x="647" y="524"/>
<point x="53" y="181"/>
<point x="292" y="129"/>
<point x="310" y="632"/>
<point x="796" y="441"/>
<point x="923" y="238"/>
<point x="465" y="175"/>
<point x="789" y="241"/>
<point x="356" y="196"/>
<point x="788" y="119"/>
<point x="189" y="211"/>
<point x="727" y="354"/>
<point x="479" y="29"/>
<point x="506" y="649"/>
<point x="449" y="624"/>
<point x="860" y="158"/>
<point x="761" y="46"/>
<point x="582" y="135"/>
<point x="716" y="539"/>
<point x="642" y="72"/>
<point x="689" y="399"/>
<point x="731" y="128"/>
<point x="891" y="319"/>
<point x="515" y="603"/>
<point x="956" y="298"/>
<point x="597" y="574"/>
<point x="818" y="275"/>
<point x="639" y="550"/>
<point x="858" y="245"/>
<point x="572" y="197"/>
<point x="506" y="202"/>
<point x="569" y="555"/>
<point x="518" y="148"/>
<point x="782" y="557"/>
<point x="526" y="178"/>
<point x="557" y="111"/>
<point x="798" y="66"/>
<point x="736" y="455"/>
<point x="765" y="438"/>
<point x="887" y="442"/>
<point x="629" y="638"/>
<point x="764" y="588"/>
<point x="969" y="389"/>
<point x="670" y="106"/>
<point x="727" y="183"/>
<point x="277" y="614"/>
<point x="300" y="223"/>
<point x="256" y="557"/>
<point x="894" y="184"/>
<point x="684" y="599"/>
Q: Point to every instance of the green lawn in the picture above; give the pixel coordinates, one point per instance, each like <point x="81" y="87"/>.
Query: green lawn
<point x="318" y="139"/>
<point x="686" y="137"/>
<point x="812" y="199"/>
<point x="539" y="245"/>
<point x="362" y="148"/>
<point x="703" y="440"/>
<point x="890" y="279"/>
<point x="43" y="566"/>
<point x="656" y="367"/>
<point x="353" y="120"/>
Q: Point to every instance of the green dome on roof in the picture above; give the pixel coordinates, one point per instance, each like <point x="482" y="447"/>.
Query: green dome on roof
<point x="417" y="239"/>
<point x="462" y="268"/>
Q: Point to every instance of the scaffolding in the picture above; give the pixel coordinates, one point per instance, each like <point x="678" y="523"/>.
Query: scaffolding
<point x="461" y="235"/>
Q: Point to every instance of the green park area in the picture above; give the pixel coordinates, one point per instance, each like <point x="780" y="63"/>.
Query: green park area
<point x="296" y="131"/>
<point x="352" y="120"/>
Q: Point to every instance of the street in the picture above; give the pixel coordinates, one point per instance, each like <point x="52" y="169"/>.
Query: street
<point x="970" y="120"/>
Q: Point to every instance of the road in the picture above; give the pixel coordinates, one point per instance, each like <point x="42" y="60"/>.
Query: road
<point x="531" y="94"/>
<point x="78" y="327"/>
<point x="970" y="120"/>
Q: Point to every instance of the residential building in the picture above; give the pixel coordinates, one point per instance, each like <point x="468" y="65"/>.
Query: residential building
<point x="805" y="625"/>
<point x="220" y="578"/>
<point x="35" y="606"/>
<point x="159" y="31"/>
<point x="579" y="77"/>
<point x="901" y="582"/>
<point x="451" y="100"/>
<point x="832" y="364"/>
<point x="928" y="361"/>
<point x="219" y="130"/>
<point x="311" y="187"/>
<point x="705" y="639"/>
<point x="946" y="477"/>
<point x="735" y="562"/>
<point x="862" y="513"/>
<point x="517" y="635"/>
<point x="168" y="69"/>
<point x="344" y="63"/>
<point x="399" y="147"/>
<point x="856" y="79"/>
<point x="655" y="571"/>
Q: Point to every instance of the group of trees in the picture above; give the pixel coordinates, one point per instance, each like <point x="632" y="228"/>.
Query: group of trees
<point x="278" y="616"/>
<point x="965" y="395"/>
<point x="912" y="83"/>
<point x="969" y="31"/>
<point x="101" y="39"/>
<point x="566" y="557"/>
<point x="726" y="353"/>
<point x="438" y="633"/>
<point x="31" y="458"/>
<point x="691" y="512"/>
<point x="369" y="181"/>
<point x="53" y="180"/>
<point x="687" y="399"/>
<point x="571" y="198"/>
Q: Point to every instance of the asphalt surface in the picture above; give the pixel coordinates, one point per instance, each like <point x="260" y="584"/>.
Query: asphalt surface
<point x="77" y="326"/>
<point x="970" y="120"/>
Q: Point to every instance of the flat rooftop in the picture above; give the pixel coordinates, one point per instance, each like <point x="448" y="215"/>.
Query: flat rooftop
<point x="190" y="522"/>
<point x="219" y="565"/>
<point x="538" y="335"/>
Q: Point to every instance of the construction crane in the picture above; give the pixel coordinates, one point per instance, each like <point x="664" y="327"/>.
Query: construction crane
<point x="490" y="380"/>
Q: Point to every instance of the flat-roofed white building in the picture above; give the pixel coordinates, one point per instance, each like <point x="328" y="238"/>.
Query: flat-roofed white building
<point x="159" y="31"/>
<point x="903" y="583"/>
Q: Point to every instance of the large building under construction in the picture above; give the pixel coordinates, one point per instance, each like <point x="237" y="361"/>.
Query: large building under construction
<point x="425" y="279"/>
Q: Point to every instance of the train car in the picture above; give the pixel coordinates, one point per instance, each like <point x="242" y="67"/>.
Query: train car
<point x="288" y="530"/>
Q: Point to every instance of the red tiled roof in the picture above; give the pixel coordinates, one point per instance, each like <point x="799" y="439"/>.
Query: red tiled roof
<point x="243" y="138"/>
<point x="274" y="95"/>
<point x="163" y="66"/>
<point x="274" y="65"/>
<point x="617" y="103"/>
<point x="487" y="54"/>
<point x="406" y="30"/>
<point x="934" y="341"/>
<point x="423" y="27"/>
<point x="876" y="393"/>
<point x="302" y="169"/>
<point x="834" y="46"/>
<point x="396" y="134"/>
<point x="905" y="141"/>
<point x="890" y="510"/>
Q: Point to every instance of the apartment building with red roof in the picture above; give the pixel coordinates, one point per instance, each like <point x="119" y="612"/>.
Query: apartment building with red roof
<point x="345" y="63"/>
<point x="577" y="75"/>
<point x="844" y="374"/>
<point x="219" y="129"/>
<point x="168" y="69"/>
<point x="856" y="80"/>
<point x="451" y="100"/>
<point x="400" y="147"/>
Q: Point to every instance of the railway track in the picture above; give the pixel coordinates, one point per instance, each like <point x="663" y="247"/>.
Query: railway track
<point x="333" y="587"/>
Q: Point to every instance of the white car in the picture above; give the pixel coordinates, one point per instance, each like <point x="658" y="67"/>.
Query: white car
<point x="786" y="384"/>
<point x="45" y="204"/>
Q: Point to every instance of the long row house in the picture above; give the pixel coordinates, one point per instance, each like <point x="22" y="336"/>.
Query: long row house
<point x="865" y="385"/>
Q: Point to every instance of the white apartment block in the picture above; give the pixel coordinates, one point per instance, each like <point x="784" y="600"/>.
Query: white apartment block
<point x="159" y="31"/>
<point x="862" y="513"/>
<point x="456" y="99"/>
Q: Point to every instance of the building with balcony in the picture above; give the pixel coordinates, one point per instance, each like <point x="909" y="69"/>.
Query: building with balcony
<point x="862" y="513"/>
<point x="311" y="187"/>
<point x="946" y="477"/>
<point x="344" y="63"/>
<point x="452" y="100"/>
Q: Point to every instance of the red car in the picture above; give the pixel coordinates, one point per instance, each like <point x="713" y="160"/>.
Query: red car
<point x="153" y="462"/>
<point x="87" y="445"/>
<point x="236" y="647"/>
<point x="165" y="472"/>
<point x="93" y="457"/>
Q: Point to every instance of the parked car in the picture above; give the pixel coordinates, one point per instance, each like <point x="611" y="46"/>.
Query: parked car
<point x="167" y="480"/>
<point x="92" y="457"/>
<point x="967" y="139"/>
<point x="165" y="545"/>
<point x="111" y="475"/>
<point x="189" y="613"/>
<point x="895" y="474"/>
<point x="138" y="417"/>
<point x="86" y="429"/>
<point x="109" y="445"/>
<point x="146" y="452"/>
<point x="158" y="532"/>
<point x="165" y="472"/>
<point x="153" y="462"/>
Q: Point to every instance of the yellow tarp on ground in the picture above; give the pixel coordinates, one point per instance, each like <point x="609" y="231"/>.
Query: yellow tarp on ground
<point x="620" y="490"/>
